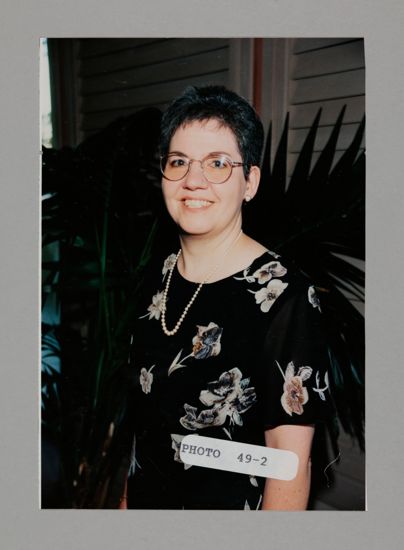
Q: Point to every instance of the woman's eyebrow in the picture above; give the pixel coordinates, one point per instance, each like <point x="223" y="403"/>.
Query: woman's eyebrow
<point x="180" y="153"/>
<point x="211" y="153"/>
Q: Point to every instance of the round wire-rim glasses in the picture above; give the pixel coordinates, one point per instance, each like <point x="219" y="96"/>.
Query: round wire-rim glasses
<point x="216" y="168"/>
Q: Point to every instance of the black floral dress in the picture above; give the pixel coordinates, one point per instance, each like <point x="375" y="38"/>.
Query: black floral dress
<point x="250" y="355"/>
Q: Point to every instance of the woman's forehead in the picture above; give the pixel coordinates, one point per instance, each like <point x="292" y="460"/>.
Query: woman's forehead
<point x="205" y="134"/>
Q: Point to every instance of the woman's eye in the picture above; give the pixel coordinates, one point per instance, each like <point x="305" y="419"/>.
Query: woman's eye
<point x="219" y="163"/>
<point x="176" y="162"/>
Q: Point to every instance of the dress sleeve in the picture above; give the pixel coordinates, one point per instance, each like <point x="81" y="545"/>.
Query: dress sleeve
<point x="295" y="383"/>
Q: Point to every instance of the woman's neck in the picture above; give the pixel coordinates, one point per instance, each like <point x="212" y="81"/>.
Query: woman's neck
<point x="201" y="254"/>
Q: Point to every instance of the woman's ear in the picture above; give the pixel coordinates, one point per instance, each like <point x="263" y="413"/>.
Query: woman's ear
<point x="253" y="181"/>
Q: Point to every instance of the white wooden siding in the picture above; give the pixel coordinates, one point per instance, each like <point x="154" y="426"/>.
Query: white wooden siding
<point x="326" y="73"/>
<point x="303" y="118"/>
<point x="120" y="76"/>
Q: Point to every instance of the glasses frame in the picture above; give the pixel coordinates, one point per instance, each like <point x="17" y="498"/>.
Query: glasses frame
<point x="233" y="164"/>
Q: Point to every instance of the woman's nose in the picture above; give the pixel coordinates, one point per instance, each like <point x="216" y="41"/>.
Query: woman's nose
<point x="195" y="177"/>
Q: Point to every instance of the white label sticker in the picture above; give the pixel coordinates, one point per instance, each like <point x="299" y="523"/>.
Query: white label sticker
<point x="243" y="458"/>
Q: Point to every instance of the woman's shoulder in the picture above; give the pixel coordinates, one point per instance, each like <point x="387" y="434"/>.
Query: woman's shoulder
<point x="269" y="259"/>
<point x="271" y="264"/>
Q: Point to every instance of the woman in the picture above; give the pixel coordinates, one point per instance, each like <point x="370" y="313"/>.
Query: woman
<point x="229" y="344"/>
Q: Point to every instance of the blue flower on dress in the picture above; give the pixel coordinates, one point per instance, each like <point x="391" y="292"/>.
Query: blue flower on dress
<point x="205" y="344"/>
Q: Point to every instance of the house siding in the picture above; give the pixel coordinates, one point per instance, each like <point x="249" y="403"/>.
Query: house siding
<point x="120" y="76"/>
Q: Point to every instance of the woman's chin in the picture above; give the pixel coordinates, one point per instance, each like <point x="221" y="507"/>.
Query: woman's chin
<point x="187" y="229"/>
<point x="196" y="227"/>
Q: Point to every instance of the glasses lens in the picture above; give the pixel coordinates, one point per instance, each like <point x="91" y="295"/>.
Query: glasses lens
<point x="174" y="167"/>
<point x="217" y="169"/>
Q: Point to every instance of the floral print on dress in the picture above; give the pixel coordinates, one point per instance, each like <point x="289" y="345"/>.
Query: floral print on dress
<point x="246" y="276"/>
<point x="134" y="464"/>
<point x="294" y="395"/>
<point x="268" y="271"/>
<point x="146" y="379"/>
<point x="265" y="273"/>
<point x="155" y="308"/>
<point x="313" y="298"/>
<point x="253" y="481"/>
<point x="228" y="397"/>
<point x="169" y="263"/>
<point x="319" y="390"/>
<point x="274" y="254"/>
<point x="247" y="507"/>
<point x="176" y="446"/>
<point x="205" y="344"/>
<point x="266" y="296"/>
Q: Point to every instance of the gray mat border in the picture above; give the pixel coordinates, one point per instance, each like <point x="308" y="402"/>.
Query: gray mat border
<point x="23" y="525"/>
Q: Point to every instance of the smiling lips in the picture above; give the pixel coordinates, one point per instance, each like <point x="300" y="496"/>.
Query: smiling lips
<point x="196" y="203"/>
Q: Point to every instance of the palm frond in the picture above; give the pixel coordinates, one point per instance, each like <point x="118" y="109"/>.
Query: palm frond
<point x="318" y="221"/>
<point x="100" y="205"/>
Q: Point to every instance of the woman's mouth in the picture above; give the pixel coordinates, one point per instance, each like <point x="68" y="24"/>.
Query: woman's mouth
<point x="196" y="203"/>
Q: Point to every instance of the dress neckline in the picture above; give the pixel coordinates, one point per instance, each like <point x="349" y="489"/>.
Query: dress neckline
<point x="224" y="279"/>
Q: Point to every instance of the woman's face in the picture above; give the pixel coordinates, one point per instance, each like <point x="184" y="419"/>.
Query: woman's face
<point x="197" y="206"/>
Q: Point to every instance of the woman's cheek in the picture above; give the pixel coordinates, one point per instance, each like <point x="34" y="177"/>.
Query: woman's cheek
<point x="166" y="197"/>
<point x="172" y="207"/>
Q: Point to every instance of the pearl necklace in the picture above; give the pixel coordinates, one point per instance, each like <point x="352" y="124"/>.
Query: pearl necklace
<point x="191" y="301"/>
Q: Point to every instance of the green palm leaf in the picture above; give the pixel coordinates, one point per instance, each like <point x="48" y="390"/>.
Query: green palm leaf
<point x="318" y="221"/>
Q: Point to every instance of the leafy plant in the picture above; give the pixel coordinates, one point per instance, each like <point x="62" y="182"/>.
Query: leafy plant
<point x="318" y="220"/>
<point x="100" y="204"/>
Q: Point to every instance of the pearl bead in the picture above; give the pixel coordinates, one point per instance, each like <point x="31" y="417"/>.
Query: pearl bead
<point x="191" y="301"/>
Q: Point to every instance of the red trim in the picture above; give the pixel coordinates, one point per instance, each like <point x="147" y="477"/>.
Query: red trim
<point x="257" y="74"/>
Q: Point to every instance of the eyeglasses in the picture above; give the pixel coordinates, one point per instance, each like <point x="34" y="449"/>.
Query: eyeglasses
<point x="215" y="168"/>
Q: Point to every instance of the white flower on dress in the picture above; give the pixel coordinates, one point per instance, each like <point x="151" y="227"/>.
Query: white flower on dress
<point x="169" y="263"/>
<point x="266" y="272"/>
<point x="155" y="308"/>
<point x="228" y="397"/>
<point x="267" y="296"/>
<point x="313" y="298"/>
<point x="146" y="379"/>
<point x="176" y="446"/>
<point x="294" y="395"/>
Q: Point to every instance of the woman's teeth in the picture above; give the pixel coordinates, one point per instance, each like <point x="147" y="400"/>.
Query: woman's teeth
<point x="193" y="203"/>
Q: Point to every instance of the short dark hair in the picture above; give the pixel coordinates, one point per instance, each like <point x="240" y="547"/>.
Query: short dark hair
<point x="223" y="105"/>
